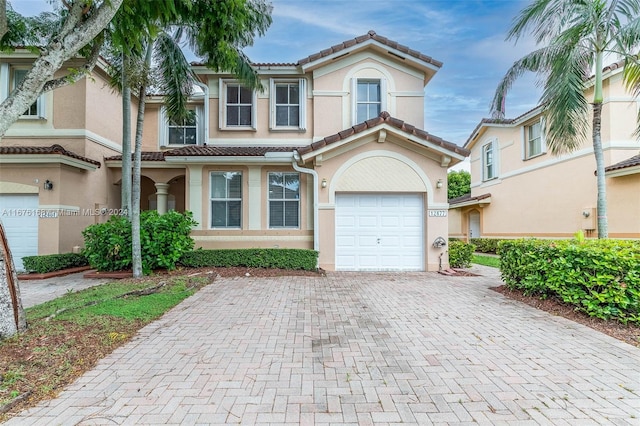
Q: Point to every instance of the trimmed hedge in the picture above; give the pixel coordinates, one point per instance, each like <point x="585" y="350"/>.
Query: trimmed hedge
<point x="486" y="245"/>
<point x="252" y="258"/>
<point x="164" y="239"/>
<point x="460" y="254"/>
<point x="53" y="262"/>
<point x="599" y="277"/>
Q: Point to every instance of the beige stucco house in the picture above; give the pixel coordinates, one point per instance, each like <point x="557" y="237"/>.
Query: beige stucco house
<point x="323" y="158"/>
<point x="518" y="189"/>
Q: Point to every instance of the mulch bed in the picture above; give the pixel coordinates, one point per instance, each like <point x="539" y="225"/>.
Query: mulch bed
<point x="627" y="333"/>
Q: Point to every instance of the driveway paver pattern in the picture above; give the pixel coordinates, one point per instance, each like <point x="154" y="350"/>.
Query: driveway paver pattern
<point x="355" y="348"/>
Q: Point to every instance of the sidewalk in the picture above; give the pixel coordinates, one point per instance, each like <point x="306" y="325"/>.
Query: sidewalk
<point x="35" y="292"/>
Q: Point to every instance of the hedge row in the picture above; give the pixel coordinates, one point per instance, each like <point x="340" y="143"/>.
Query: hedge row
<point x="53" y="262"/>
<point x="460" y="254"/>
<point x="252" y="258"/>
<point x="599" y="277"/>
<point x="486" y="245"/>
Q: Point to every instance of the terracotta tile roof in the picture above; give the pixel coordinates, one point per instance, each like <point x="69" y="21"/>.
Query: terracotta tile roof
<point x="384" y="118"/>
<point x="146" y="156"/>
<point x="53" y="149"/>
<point x="209" y="151"/>
<point x="227" y="151"/>
<point x="371" y="35"/>
<point x="467" y="198"/>
<point x="631" y="162"/>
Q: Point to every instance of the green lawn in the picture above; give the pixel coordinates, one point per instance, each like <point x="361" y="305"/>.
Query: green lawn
<point x="494" y="262"/>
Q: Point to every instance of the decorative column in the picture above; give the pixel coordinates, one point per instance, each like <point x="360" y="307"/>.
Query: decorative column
<point x="162" y="196"/>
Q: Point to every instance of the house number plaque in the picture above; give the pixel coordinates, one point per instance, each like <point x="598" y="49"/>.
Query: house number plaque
<point x="437" y="213"/>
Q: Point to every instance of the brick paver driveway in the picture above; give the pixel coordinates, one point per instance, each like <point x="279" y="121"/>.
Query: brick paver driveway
<point x="356" y="348"/>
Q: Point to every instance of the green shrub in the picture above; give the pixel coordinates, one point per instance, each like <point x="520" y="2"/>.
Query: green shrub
<point x="486" y="245"/>
<point x="599" y="277"/>
<point x="53" y="262"/>
<point x="252" y="258"/>
<point x="164" y="239"/>
<point x="460" y="254"/>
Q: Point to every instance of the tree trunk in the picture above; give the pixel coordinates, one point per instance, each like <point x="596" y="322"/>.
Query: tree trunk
<point x="603" y="224"/>
<point x="12" y="317"/>
<point x="76" y="33"/>
<point x="125" y="188"/>
<point x="137" y="165"/>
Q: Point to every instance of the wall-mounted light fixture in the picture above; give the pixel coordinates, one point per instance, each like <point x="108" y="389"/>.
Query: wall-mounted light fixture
<point x="324" y="182"/>
<point x="439" y="183"/>
<point x="586" y="213"/>
<point x="48" y="185"/>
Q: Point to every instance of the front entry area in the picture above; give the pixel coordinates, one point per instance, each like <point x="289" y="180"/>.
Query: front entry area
<point x="379" y="232"/>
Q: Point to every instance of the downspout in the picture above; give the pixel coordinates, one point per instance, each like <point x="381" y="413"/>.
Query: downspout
<point x="316" y="233"/>
<point x="205" y="89"/>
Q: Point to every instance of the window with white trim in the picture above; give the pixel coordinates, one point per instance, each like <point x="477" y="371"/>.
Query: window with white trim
<point x="15" y="76"/>
<point x="534" y="143"/>
<point x="226" y="199"/>
<point x="369" y="97"/>
<point x="284" y="200"/>
<point x="184" y="132"/>
<point x="287" y="101"/>
<point x="237" y="106"/>
<point x="489" y="161"/>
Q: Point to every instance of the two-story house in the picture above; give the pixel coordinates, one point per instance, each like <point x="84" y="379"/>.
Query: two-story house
<point x="323" y="158"/>
<point x="518" y="189"/>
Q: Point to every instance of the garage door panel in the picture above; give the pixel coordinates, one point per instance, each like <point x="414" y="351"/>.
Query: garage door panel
<point x="388" y="232"/>
<point x="21" y="225"/>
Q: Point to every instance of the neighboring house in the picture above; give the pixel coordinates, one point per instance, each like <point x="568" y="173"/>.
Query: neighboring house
<point x="316" y="160"/>
<point x="518" y="189"/>
<point x="52" y="176"/>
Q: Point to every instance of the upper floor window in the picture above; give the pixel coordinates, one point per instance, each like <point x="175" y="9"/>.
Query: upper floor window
<point x="184" y="132"/>
<point x="238" y="106"/>
<point x="10" y="79"/>
<point x="369" y="98"/>
<point x="534" y="144"/>
<point x="489" y="161"/>
<point x="288" y="104"/>
<point x="284" y="200"/>
<point x="226" y="199"/>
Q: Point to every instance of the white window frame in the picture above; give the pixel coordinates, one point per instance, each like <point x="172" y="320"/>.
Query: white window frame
<point x="283" y="200"/>
<point x="526" y="145"/>
<point x="8" y="84"/>
<point x="223" y="107"/>
<point x="354" y="96"/>
<point x="225" y="199"/>
<point x="489" y="147"/>
<point x="302" y="101"/>
<point x="164" y="125"/>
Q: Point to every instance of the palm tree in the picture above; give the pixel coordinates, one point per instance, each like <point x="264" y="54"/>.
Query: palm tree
<point x="575" y="36"/>
<point x="216" y="31"/>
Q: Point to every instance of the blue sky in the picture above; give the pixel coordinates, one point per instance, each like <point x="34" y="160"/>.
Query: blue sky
<point x="468" y="36"/>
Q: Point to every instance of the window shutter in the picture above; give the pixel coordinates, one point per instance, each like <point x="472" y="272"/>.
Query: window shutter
<point x="201" y="137"/>
<point x="496" y="158"/>
<point x="302" y="108"/>
<point x="4" y="81"/>
<point x="254" y="109"/>
<point x="543" y="134"/>
<point x="162" y="127"/>
<point x="383" y="95"/>
<point x="272" y="104"/>
<point x="523" y="140"/>
<point x="354" y="101"/>
<point x="222" y="104"/>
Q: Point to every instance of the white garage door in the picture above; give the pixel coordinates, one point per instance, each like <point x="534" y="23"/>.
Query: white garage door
<point x="379" y="232"/>
<point x="18" y="215"/>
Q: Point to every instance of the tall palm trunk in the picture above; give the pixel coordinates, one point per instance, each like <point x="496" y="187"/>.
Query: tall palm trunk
<point x="125" y="189"/>
<point x="135" y="202"/>
<point x="603" y="226"/>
